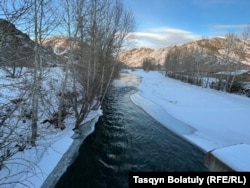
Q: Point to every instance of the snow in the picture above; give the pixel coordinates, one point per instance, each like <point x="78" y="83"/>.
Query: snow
<point x="213" y="120"/>
<point x="37" y="164"/>
<point x="235" y="160"/>
<point x="32" y="166"/>
<point x="161" y="115"/>
<point x="236" y="73"/>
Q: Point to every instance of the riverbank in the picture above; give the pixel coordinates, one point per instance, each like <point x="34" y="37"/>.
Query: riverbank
<point x="215" y="121"/>
<point x="43" y="165"/>
<point x="72" y="152"/>
<point x="61" y="153"/>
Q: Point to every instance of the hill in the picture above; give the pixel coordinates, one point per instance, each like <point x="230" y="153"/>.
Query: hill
<point x="60" y="45"/>
<point x="218" y="63"/>
<point x="17" y="48"/>
<point x="213" y="46"/>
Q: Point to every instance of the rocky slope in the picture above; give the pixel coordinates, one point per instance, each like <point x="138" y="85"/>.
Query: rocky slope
<point x="17" y="49"/>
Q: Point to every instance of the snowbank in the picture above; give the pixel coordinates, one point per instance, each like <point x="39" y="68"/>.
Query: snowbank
<point x="43" y="165"/>
<point x="161" y="115"/>
<point x="208" y="118"/>
<point x="236" y="156"/>
<point x="70" y="155"/>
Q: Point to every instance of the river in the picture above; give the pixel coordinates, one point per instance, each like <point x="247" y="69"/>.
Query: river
<point x="128" y="139"/>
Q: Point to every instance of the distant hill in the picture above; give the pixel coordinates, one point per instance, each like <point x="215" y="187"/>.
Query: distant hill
<point x="214" y="46"/>
<point x="60" y="45"/>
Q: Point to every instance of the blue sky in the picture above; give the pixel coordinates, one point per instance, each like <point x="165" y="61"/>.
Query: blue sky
<point x="160" y="23"/>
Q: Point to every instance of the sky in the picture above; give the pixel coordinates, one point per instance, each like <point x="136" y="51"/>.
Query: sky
<point x="160" y="23"/>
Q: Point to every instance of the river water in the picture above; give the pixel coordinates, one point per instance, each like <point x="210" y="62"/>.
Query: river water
<point x="127" y="139"/>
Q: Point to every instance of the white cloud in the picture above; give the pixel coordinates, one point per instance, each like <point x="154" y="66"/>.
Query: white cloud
<point x="223" y="29"/>
<point x="230" y="26"/>
<point x="162" y="37"/>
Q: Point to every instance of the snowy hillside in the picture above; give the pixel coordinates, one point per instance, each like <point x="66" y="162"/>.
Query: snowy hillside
<point x="215" y="46"/>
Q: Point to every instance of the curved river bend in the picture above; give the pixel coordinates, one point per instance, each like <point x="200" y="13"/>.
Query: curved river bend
<point x="127" y="139"/>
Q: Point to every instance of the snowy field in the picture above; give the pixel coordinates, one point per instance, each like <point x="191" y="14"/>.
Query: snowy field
<point x="213" y="120"/>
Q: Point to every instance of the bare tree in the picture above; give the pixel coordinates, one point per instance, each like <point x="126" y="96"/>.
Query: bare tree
<point x="61" y="107"/>
<point x="41" y="21"/>
<point x="148" y="64"/>
<point x="172" y="61"/>
<point x="240" y="53"/>
<point x="103" y="26"/>
<point x="233" y="53"/>
<point x="14" y="10"/>
<point x="117" y="29"/>
<point x="72" y="30"/>
<point x="230" y="46"/>
<point x="11" y="61"/>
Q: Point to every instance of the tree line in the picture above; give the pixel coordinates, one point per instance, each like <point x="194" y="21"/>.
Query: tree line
<point x="209" y="64"/>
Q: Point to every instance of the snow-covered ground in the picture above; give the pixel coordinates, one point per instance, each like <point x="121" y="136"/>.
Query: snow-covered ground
<point x="213" y="120"/>
<point x="31" y="166"/>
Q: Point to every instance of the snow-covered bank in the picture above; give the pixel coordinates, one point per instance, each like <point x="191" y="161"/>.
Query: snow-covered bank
<point x="22" y="165"/>
<point x="42" y="166"/>
<point x="210" y="119"/>
<point x="63" y="152"/>
<point x="161" y="115"/>
<point x="70" y="155"/>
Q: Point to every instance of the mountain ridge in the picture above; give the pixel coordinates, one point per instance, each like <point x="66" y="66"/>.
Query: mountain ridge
<point x="134" y="57"/>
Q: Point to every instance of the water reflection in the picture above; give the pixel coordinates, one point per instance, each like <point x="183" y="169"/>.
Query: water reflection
<point x="127" y="80"/>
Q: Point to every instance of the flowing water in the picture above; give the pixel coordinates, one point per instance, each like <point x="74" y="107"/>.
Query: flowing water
<point x="127" y="139"/>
